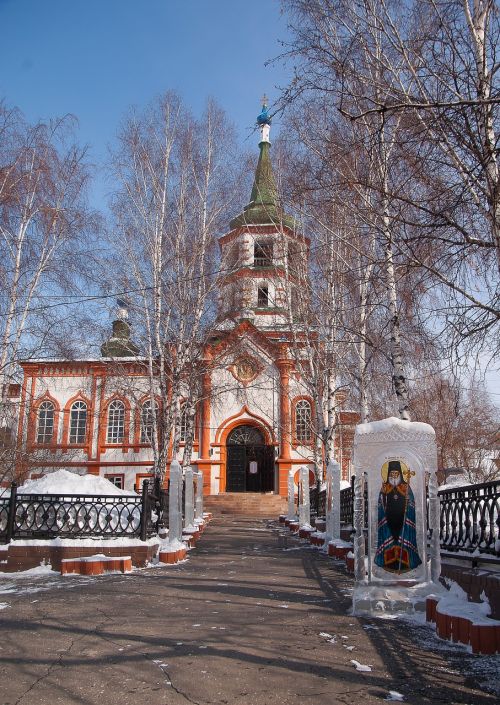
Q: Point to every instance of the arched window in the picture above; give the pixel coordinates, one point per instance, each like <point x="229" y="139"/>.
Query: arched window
<point x="45" y="427"/>
<point x="303" y="416"/>
<point x="78" y="422"/>
<point x="147" y="421"/>
<point x="116" y="422"/>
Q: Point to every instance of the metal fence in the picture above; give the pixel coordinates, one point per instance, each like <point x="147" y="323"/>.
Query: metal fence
<point x="470" y="518"/>
<point x="27" y="516"/>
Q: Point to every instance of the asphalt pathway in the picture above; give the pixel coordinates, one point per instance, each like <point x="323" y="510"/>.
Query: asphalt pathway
<point x="252" y="618"/>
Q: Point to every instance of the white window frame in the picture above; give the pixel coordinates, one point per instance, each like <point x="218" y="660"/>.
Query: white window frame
<point x="115" y="429"/>
<point x="77" y="422"/>
<point x="303" y="419"/>
<point x="45" y="422"/>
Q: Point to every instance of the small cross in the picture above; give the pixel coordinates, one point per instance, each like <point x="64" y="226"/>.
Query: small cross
<point x="264" y="100"/>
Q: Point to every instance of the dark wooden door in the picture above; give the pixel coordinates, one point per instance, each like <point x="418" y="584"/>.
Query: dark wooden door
<point x="240" y="477"/>
<point x="236" y="469"/>
<point x="250" y="463"/>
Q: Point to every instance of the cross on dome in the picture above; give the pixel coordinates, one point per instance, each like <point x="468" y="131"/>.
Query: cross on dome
<point x="264" y="120"/>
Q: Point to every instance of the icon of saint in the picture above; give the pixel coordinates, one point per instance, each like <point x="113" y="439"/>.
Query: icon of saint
<point x="397" y="549"/>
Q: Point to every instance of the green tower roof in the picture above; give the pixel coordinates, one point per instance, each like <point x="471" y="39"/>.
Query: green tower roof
<point x="119" y="344"/>
<point x="263" y="208"/>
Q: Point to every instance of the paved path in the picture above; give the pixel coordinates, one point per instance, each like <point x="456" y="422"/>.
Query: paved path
<point x="239" y="623"/>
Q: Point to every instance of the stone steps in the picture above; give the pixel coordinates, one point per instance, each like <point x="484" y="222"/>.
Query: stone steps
<point x="246" y="504"/>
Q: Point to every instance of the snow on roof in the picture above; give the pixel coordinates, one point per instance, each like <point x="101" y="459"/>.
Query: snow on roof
<point x="454" y="481"/>
<point x="393" y="422"/>
<point x="65" y="482"/>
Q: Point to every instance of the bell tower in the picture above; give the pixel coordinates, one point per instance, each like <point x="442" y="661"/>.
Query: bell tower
<point x="261" y="251"/>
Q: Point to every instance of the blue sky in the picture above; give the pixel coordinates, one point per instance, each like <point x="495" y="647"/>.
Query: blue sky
<point x="95" y="58"/>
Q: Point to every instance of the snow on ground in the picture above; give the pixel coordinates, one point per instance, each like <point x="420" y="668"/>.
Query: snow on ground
<point x="40" y="571"/>
<point x="360" y="666"/>
<point x="65" y="482"/>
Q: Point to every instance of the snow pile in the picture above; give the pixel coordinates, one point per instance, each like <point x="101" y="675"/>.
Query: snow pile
<point x="377" y="427"/>
<point x="65" y="482"/>
<point x="392" y="600"/>
<point x="89" y="542"/>
<point x="364" y="668"/>
<point x="171" y="545"/>
<point x="340" y="543"/>
<point x="455" y="603"/>
<point x="455" y="481"/>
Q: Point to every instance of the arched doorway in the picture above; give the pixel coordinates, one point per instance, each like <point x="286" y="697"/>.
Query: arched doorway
<point x="250" y="462"/>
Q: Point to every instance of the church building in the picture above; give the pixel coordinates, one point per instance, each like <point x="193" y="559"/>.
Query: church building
<point x="255" y="420"/>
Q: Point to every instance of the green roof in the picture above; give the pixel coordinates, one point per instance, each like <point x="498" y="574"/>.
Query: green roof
<point x="119" y="345"/>
<point x="263" y="208"/>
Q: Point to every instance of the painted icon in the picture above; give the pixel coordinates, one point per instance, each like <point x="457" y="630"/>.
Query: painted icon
<point x="397" y="549"/>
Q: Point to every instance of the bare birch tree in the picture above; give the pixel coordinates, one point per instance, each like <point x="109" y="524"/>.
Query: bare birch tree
<point x="45" y="227"/>
<point x="176" y="181"/>
<point x="342" y="53"/>
<point x="439" y="75"/>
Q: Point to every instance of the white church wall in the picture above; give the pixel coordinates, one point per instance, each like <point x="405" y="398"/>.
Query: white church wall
<point x="261" y="396"/>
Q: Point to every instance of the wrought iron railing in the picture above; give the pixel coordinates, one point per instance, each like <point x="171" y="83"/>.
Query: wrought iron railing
<point x="27" y="516"/>
<point x="346" y="506"/>
<point x="322" y="503"/>
<point x="313" y="501"/>
<point x="470" y="518"/>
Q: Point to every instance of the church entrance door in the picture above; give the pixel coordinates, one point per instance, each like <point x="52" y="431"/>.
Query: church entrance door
<point x="250" y="462"/>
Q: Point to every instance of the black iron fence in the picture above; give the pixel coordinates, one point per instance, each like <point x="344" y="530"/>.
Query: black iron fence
<point x="470" y="518"/>
<point x="318" y="504"/>
<point x="27" y="516"/>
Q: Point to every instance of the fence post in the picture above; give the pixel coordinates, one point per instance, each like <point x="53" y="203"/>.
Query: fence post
<point x="333" y="505"/>
<point x="12" y="512"/>
<point x="291" y="496"/>
<point x="304" y="506"/>
<point x="144" y="510"/>
<point x="189" y="498"/>
<point x="353" y="482"/>
<point x="199" y="496"/>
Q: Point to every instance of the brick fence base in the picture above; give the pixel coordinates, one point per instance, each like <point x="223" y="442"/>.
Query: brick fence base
<point x="475" y="581"/>
<point x="25" y="556"/>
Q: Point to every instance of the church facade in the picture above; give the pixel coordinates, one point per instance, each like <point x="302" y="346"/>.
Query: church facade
<point x="255" y="420"/>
